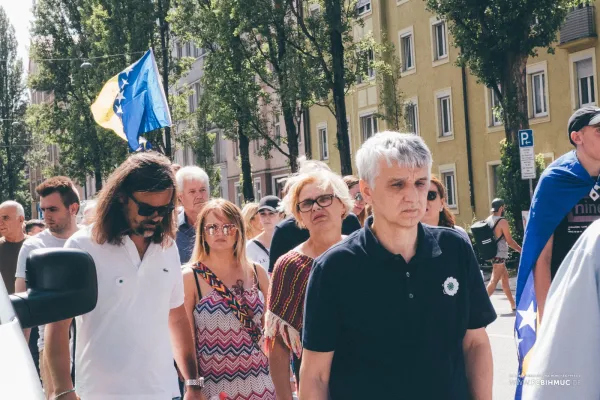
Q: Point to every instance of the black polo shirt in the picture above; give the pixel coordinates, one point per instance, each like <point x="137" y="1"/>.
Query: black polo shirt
<point x="396" y="328"/>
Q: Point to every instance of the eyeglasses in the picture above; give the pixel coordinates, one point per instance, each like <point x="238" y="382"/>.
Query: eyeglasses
<point x="146" y="210"/>
<point x="226" y="229"/>
<point x="432" y="195"/>
<point x="323" y="201"/>
<point x="358" y="196"/>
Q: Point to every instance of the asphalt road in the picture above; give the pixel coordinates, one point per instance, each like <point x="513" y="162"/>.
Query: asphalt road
<point x="503" y="345"/>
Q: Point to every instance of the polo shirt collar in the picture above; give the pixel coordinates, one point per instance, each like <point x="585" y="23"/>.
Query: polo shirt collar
<point x="182" y="219"/>
<point x="427" y="245"/>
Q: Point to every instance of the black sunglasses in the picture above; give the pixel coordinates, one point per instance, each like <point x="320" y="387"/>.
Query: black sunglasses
<point x="146" y="210"/>
<point x="432" y="195"/>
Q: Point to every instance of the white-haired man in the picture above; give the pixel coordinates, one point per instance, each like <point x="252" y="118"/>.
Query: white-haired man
<point x="415" y="328"/>
<point x="12" y="216"/>
<point x="193" y="190"/>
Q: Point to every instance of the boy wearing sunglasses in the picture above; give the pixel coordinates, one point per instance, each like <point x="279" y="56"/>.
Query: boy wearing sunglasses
<point x="126" y="346"/>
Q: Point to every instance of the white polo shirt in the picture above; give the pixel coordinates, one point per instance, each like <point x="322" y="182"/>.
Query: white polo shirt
<point x="123" y="346"/>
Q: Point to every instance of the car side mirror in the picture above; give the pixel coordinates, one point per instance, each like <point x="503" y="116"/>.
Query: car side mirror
<point x="61" y="284"/>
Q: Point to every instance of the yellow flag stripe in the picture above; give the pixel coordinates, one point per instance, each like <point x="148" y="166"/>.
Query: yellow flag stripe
<point x="102" y="109"/>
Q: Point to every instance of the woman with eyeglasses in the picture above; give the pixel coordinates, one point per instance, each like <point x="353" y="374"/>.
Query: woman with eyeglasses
<point x="224" y="300"/>
<point x="359" y="204"/>
<point x="319" y="202"/>
<point x="437" y="212"/>
<point x="269" y="215"/>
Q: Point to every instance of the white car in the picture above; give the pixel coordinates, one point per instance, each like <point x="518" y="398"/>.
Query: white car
<point x="61" y="284"/>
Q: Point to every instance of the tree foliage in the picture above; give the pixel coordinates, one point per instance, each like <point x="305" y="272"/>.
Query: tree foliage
<point x="496" y="39"/>
<point x="14" y="137"/>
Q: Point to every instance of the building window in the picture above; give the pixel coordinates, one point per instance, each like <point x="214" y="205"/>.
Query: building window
<point x="444" y="113"/>
<point x="495" y="108"/>
<point x="538" y="88"/>
<point x="411" y="116"/>
<point x="440" y="40"/>
<point x="278" y="185"/>
<point x="407" y="50"/>
<point x="257" y="189"/>
<point x="324" y="146"/>
<point x="179" y="50"/>
<point x="256" y="145"/>
<point x="363" y="6"/>
<point x="188" y="49"/>
<point x="191" y="103"/>
<point x="197" y="92"/>
<point x="236" y="149"/>
<point x="585" y="82"/>
<point x="277" y="130"/>
<point x="366" y="66"/>
<point x="448" y="174"/>
<point x="495" y="180"/>
<point x="238" y="195"/>
<point x="368" y="126"/>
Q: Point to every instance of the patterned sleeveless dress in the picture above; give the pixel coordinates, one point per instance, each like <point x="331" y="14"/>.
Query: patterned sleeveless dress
<point x="228" y="359"/>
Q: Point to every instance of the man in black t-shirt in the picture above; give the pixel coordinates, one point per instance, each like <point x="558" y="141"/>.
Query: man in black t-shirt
<point x="584" y="134"/>
<point x="398" y="310"/>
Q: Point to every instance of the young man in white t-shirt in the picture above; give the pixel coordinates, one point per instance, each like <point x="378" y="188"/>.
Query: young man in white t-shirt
<point x="126" y="345"/>
<point x="257" y="249"/>
<point x="59" y="202"/>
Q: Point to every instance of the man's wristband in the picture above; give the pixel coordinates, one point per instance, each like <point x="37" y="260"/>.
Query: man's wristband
<point x="63" y="393"/>
<point x="198" y="382"/>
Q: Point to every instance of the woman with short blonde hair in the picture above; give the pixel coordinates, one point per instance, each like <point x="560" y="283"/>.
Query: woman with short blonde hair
<point x="251" y="220"/>
<point x="319" y="201"/>
<point x="224" y="301"/>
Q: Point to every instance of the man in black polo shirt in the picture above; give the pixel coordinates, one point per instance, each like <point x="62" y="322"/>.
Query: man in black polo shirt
<point x="398" y="310"/>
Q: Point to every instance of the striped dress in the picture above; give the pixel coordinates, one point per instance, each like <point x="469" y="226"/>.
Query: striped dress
<point x="228" y="359"/>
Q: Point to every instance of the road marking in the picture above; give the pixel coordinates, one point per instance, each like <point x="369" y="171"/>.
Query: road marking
<point x="501" y="335"/>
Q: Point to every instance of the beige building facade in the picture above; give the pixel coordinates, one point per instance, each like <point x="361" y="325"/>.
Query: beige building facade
<point x="452" y="112"/>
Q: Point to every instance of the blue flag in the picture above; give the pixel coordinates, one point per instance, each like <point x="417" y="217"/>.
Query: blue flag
<point x="133" y="102"/>
<point x="562" y="185"/>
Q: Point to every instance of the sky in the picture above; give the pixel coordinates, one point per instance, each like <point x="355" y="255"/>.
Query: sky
<point x="19" y="15"/>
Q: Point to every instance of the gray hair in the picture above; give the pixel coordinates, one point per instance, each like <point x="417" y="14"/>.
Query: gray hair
<point x="18" y="206"/>
<point x="325" y="179"/>
<point x="405" y="149"/>
<point x="191" y="173"/>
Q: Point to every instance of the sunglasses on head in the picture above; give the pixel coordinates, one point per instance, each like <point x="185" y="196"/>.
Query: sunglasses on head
<point x="432" y="195"/>
<point x="226" y="229"/>
<point x="146" y="210"/>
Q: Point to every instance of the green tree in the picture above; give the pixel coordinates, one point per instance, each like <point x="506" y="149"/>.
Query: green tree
<point x="231" y="91"/>
<point x="326" y="39"/>
<point x="14" y="137"/>
<point x="496" y="39"/>
<point x="391" y="104"/>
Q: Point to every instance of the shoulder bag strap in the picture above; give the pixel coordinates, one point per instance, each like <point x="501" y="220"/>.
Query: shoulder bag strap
<point x="262" y="246"/>
<point x="494" y="228"/>
<point x="197" y="283"/>
<point x="241" y="311"/>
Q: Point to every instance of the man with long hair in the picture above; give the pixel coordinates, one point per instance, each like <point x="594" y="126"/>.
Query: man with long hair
<point x="125" y="347"/>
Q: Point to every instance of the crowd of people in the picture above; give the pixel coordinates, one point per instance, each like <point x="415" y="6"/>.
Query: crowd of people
<point x="346" y="288"/>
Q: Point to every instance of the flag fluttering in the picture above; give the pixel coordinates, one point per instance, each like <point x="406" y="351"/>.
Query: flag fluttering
<point x="133" y="102"/>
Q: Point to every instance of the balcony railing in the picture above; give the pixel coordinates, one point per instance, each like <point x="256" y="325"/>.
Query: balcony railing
<point x="579" y="24"/>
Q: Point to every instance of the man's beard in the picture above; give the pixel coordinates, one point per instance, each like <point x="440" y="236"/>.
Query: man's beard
<point x="148" y="229"/>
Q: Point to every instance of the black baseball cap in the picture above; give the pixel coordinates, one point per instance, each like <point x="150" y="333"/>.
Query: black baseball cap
<point x="496" y="204"/>
<point x="581" y="118"/>
<point x="270" y="203"/>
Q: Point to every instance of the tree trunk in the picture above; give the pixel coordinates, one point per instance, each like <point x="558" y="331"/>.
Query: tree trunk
<point x="516" y="117"/>
<point x="247" y="187"/>
<point x="514" y="93"/>
<point x="292" y="136"/>
<point x="164" y="42"/>
<point x="333" y="12"/>
<point x="98" y="178"/>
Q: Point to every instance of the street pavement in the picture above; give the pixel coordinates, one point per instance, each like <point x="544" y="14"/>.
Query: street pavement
<point x="503" y="344"/>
